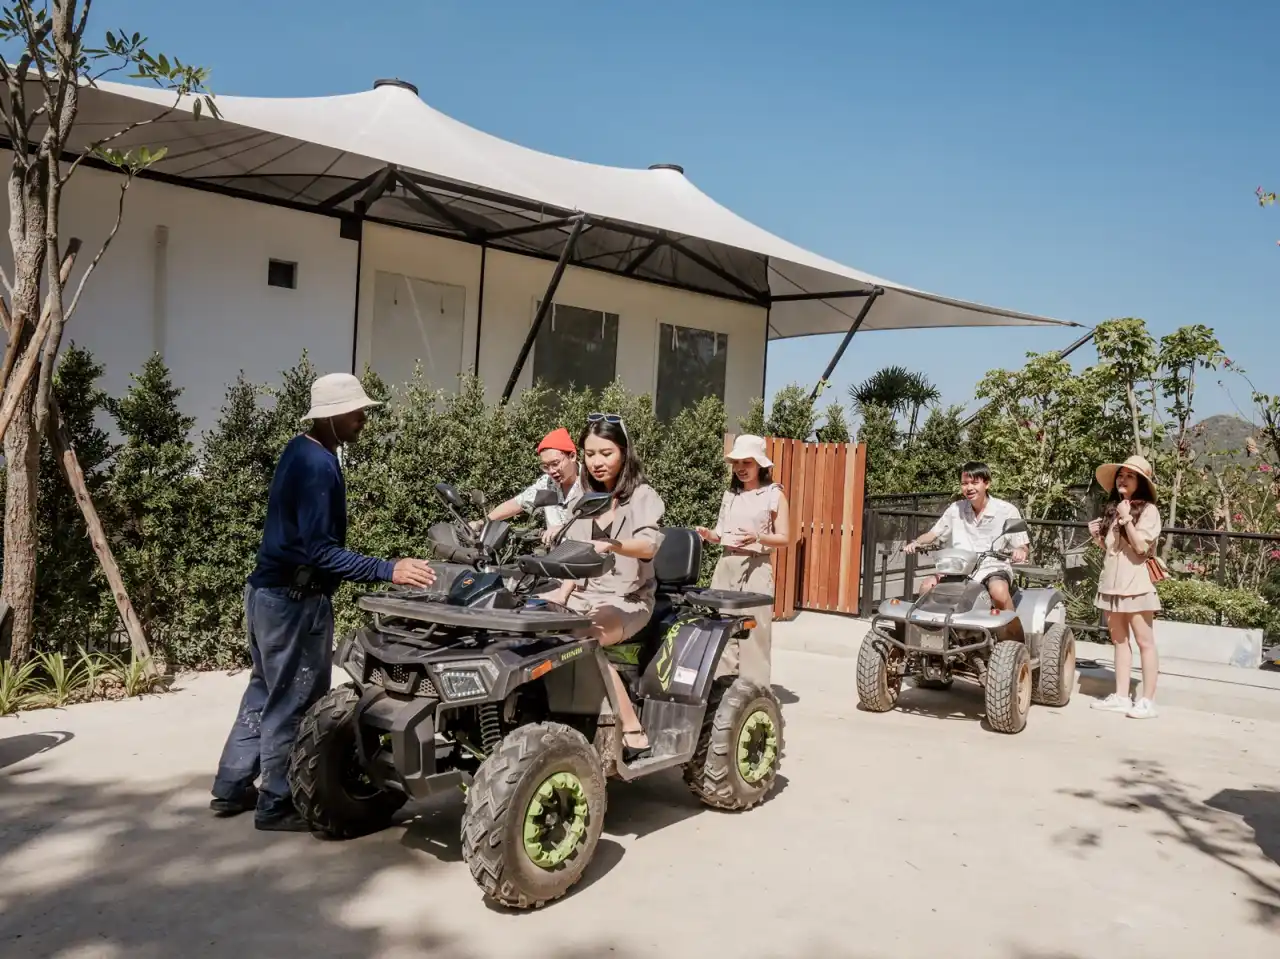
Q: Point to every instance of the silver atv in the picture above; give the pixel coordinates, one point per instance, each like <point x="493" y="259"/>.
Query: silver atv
<point x="1018" y="657"/>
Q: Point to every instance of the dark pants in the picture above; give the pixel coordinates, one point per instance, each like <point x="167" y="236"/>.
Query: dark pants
<point x="291" y="642"/>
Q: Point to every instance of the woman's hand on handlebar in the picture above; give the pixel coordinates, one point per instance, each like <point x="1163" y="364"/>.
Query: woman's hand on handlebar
<point x="708" y="535"/>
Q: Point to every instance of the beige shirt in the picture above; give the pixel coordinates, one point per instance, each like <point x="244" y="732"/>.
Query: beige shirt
<point x="748" y="511"/>
<point x="638" y="518"/>
<point x="1124" y="567"/>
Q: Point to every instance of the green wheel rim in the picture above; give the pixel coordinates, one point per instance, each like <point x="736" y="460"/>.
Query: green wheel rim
<point x="757" y="746"/>
<point x="555" y="821"/>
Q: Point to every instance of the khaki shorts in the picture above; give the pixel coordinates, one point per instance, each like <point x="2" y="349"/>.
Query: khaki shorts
<point x="633" y="614"/>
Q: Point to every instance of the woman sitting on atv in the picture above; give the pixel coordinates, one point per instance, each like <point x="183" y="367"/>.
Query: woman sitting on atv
<point x="621" y="601"/>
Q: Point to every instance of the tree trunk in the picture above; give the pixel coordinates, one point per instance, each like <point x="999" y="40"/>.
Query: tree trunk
<point x="22" y="471"/>
<point x="60" y="440"/>
<point x="1133" y="413"/>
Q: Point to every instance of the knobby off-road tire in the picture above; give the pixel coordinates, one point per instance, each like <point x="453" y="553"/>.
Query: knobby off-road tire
<point x="740" y="746"/>
<point x="1008" y="687"/>
<point x="1057" y="673"/>
<point x="540" y="794"/>
<point x="877" y="690"/>
<point x="329" y="790"/>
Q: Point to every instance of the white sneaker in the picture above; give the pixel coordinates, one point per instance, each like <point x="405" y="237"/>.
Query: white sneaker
<point x="1113" y="704"/>
<point x="1142" y="709"/>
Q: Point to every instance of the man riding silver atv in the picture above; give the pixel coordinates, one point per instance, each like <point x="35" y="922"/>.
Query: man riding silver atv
<point x="492" y="688"/>
<point x="1018" y="656"/>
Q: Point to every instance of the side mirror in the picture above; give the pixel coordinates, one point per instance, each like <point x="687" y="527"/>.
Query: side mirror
<point x="476" y="497"/>
<point x="1012" y="526"/>
<point x="449" y="495"/>
<point x="593" y="504"/>
<point x="544" y="498"/>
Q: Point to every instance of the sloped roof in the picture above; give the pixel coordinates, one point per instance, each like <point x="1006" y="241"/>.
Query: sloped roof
<point x="386" y="152"/>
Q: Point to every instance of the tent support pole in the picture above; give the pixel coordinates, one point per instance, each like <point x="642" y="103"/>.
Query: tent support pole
<point x="1067" y="352"/>
<point x="355" y="318"/>
<point x="484" y="255"/>
<point x="844" y="344"/>
<point x="543" y="308"/>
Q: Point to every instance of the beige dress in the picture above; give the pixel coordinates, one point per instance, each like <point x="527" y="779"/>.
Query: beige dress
<point x="631" y="586"/>
<point x="748" y="570"/>
<point x="1125" y="585"/>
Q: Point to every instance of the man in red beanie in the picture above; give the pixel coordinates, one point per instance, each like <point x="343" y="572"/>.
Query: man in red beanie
<point x="559" y="458"/>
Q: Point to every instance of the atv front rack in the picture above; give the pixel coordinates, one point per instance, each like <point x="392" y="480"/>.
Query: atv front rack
<point x="526" y="621"/>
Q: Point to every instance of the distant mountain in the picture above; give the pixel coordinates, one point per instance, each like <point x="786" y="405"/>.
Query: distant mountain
<point x="1222" y="434"/>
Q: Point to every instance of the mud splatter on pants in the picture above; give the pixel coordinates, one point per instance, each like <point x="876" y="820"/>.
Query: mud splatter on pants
<point x="291" y="644"/>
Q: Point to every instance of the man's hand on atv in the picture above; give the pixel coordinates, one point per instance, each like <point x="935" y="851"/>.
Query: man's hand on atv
<point x="413" y="572"/>
<point x="911" y="546"/>
<point x="1020" y="555"/>
<point x="549" y="534"/>
<point x="708" y="535"/>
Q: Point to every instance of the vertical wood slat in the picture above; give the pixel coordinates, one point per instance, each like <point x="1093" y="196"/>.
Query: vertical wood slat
<point x="807" y="454"/>
<point x="848" y="545"/>
<point x="835" y="514"/>
<point x="826" y="454"/>
<point x="855" y="527"/>
<point x="786" y="452"/>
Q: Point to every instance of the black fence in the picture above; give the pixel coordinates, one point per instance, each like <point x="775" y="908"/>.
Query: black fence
<point x="1060" y="554"/>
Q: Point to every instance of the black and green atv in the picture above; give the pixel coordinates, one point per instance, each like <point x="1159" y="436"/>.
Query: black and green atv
<point x="479" y="683"/>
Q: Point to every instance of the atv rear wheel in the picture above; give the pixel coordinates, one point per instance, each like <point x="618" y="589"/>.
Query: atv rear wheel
<point x="1057" y="674"/>
<point x="1008" y="687"/>
<point x="878" y="685"/>
<point x="330" y="790"/>
<point x="533" y="816"/>
<point x="736" y="762"/>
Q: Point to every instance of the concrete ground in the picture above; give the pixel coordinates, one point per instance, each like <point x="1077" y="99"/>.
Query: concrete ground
<point x="915" y="833"/>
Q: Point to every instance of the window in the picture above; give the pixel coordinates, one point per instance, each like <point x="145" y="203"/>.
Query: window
<point x="576" y="348"/>
<point x="417" y="321"/>
<point x="692" y="365"/>
<point x="282" y="273"/>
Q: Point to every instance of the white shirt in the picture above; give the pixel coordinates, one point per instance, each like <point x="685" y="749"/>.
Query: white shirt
<point x="555" y="515"/>
<point x="979" y="533"/>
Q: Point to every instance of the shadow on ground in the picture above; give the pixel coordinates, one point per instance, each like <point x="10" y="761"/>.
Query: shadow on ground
<point x="1238" y="828"/>
<point x="15" y="749"/>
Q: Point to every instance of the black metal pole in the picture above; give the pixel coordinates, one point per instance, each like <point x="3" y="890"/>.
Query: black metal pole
<point x="361" y="209"/>
<point x="475" y="367"/>
<point x="844" y="344"/>
<point x="1067" y="352"/>
<point x="544" y="307"/>
<point x="871" y="533"/>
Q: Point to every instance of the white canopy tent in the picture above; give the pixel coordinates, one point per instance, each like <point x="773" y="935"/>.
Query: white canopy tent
<point x="386" y="156"/>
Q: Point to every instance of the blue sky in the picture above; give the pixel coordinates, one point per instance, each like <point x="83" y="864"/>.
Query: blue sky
<point x="1083" y="160"/>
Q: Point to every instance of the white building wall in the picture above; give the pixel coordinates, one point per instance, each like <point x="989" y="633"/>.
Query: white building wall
<point x="208" y="308"/>
<point x="514" y="284"/>
<point x="187" y="275"/>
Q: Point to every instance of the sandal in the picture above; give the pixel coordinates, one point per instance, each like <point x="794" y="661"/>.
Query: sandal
<point x="631" y="753"/>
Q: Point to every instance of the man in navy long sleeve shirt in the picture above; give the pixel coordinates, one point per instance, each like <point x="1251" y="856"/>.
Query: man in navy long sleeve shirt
<point x="288" y="605"/>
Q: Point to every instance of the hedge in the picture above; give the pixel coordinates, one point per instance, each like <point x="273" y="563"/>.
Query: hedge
<point x="185" y="513"/>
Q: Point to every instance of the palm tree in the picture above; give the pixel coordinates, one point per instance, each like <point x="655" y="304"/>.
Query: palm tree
<point x="899" y="390"/>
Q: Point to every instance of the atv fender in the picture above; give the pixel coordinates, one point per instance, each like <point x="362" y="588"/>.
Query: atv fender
<point x="1038" y="609"/>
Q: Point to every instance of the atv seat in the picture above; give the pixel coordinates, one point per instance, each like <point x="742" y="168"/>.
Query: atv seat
<point x="676" y="567"/>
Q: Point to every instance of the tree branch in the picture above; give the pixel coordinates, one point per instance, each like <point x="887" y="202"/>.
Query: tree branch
<point x="99" y="144"/>
<point x="75" y="299"/>
<point x="17" y="383"/>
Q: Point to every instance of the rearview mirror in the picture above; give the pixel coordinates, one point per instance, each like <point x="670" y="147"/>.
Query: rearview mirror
<point x="544" y="498"/>
<point x="593" y="504"/>
<point x="1012" y="526"/>
<point x="449" y="495"/>
<point x="476" y="497"/>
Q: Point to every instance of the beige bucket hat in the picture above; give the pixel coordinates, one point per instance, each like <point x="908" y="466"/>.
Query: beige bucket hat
<point x="1106" y="473"/>
<point x="748" y="447"/>
<point x="336" y="393"/>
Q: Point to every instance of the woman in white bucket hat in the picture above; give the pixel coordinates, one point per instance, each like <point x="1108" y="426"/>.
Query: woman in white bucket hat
<point x="1127" y="533"/>
<point x="754" y="521"/>
<point x="288" y="605"/>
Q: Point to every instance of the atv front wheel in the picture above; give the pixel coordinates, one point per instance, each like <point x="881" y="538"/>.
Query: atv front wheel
<point x="533" y="816"/>
<point x="1008" y="687"/>
<point x="330" y="790"/>
<point x="736" y="762"/>
<point x="1057" y="676"/>
<point x="878" y="685"/>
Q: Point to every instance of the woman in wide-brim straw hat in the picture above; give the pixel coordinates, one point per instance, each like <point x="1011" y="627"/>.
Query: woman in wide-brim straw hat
<point x="754" y="521"/>
<point x="1127" y="533"/>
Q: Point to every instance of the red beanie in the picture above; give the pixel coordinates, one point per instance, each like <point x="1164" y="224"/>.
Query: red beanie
<point x="558" y="440"/>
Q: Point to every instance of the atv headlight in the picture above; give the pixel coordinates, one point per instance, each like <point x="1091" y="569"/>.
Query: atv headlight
<point x="950" y="565"/>
<point x="467" y="679"/>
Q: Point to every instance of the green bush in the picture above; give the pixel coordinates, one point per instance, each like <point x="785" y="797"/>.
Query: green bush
<point x="1204" y="601"/>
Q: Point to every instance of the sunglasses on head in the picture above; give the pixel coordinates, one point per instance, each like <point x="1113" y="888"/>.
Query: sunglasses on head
<point x="613" y="419"/>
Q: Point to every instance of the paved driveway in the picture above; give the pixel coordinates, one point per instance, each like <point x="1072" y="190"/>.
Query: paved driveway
<point x="916" y="833"/>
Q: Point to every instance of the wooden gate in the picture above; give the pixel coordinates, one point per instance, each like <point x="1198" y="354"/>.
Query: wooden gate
<point x="825" y="485"/>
